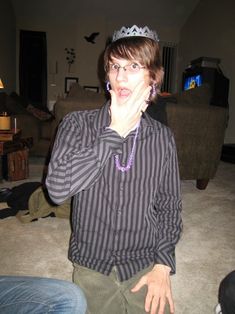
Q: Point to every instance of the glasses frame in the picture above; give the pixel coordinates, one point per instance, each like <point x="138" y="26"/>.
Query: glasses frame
<point x="116" y="71"/>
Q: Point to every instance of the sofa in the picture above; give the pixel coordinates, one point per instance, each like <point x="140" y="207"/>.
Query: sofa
<point x="198" y="127"/>
<point x="32" y="121"/>
<point x="78" y="99"/>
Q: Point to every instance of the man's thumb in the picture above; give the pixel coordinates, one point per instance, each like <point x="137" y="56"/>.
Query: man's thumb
<point x="139" y="285"/>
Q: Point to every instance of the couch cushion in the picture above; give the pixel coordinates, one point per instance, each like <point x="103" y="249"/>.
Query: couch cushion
<point x="47" y="129"/>
<point x="64" y="106"/>
<point x="75" y="90"/>
<point x="78" y="99"/>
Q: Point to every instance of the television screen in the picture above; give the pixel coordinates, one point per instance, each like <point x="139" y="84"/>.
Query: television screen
<point x="192" y="81"/>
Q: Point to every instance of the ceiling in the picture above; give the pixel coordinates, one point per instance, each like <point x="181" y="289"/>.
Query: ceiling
<point x="166" y="12"/>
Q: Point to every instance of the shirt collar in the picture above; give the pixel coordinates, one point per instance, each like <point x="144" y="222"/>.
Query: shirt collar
<point x="147" y="121"/>
<point x="102" y="119"/>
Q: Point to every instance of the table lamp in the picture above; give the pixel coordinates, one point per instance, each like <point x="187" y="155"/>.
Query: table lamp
<point x="1" y="84"/>
<point x="5" y="122"/>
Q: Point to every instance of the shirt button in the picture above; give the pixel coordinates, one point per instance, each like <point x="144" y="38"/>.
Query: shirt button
<point x="119" y="212"/>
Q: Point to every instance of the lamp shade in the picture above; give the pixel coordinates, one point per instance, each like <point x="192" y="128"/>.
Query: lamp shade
<point x="1" y="84"/>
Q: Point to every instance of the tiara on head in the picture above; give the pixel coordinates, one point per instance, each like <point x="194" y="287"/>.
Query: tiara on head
<point x="135" y="31"/>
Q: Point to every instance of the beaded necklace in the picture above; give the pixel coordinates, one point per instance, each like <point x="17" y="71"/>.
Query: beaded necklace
<point x="131" y="157"/>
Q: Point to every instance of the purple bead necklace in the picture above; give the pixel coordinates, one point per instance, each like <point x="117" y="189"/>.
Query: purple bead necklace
<point x="131" y="157"/>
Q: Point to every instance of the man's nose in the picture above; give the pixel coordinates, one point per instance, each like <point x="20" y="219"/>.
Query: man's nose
<point x="121" y="74"/>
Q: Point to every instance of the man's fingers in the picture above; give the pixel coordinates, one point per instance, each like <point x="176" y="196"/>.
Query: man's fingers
<point x="139" y="88"/>
<point x="171" y="304"/>
<point x="154" y="305"/>
<point x="148" y="302"/>
<point x="113" y="96"/>
<point x="162" y="305"/>
<point x="141" y="92"/>
<point x="144" y="99"/>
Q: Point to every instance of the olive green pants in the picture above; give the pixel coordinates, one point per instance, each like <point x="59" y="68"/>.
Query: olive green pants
<point x="107" y="295"/>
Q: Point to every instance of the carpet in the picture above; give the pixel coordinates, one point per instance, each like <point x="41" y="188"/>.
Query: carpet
<point x="204" y="254"/>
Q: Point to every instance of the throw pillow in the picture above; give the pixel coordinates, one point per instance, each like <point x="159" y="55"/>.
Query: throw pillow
<point x="39" y="114"/>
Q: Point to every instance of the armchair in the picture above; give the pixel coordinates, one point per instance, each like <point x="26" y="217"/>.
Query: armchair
<point x="199" y="130"/>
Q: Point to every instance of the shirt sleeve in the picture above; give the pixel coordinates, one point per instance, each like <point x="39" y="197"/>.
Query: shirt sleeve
<point x="168" y="206"/>
<point x="72" y="166"/>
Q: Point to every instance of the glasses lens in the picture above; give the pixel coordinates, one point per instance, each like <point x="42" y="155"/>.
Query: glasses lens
<point x="133" y="68"/>
<point x="114" y="67"/>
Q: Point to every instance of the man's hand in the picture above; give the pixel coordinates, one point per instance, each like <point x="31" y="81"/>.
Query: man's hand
<point x="159" y="289"/>
<point x="125" y="116"/>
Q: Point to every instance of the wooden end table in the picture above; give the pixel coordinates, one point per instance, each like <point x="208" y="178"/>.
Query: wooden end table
<point x="14" y="159"/>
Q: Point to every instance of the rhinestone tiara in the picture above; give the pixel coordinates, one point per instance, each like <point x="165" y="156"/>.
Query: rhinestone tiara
<point x="135" y="31"/>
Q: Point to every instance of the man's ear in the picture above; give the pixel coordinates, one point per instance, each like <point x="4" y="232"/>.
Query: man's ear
<point x="159" y="77"/>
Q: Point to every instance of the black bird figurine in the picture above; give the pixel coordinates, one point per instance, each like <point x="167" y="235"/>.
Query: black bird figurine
<point x="91" y="38"/>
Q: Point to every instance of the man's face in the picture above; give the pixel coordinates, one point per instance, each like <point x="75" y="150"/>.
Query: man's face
<point x="124" y="75"/>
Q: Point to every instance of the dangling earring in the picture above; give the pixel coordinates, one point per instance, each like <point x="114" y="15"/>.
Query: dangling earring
<point x="108" y="86"/>
<point x="153" y="91"/>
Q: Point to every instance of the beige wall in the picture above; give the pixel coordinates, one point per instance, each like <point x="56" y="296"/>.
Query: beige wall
<point x="7" y="46"/>
<point x="210" y="32"/>
<point x="62" y="34"/>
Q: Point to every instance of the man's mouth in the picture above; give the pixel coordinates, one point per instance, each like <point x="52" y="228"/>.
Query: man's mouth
<point x="124" y="92"/>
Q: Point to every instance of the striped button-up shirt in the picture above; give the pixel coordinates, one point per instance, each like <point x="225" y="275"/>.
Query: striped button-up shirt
<point x="124" y="219"/>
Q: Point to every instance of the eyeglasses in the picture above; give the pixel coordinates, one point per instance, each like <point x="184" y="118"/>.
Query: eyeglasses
<point x="131" y="68"/>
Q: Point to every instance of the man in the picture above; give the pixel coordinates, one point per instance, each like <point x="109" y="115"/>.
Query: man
<point x="121" y="168"/>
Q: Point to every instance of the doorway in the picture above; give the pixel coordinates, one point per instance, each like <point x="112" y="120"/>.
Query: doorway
<point x="33" y="68"/>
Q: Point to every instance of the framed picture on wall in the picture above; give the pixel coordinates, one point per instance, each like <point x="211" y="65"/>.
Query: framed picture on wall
<point x="68" y="82"/>
<point x="92" y="88"/>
